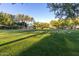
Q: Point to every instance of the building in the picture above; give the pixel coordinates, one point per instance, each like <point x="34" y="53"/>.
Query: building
<point x="29" y="23"/>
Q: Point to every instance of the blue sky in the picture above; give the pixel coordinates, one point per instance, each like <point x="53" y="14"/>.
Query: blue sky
<point x="39" y="11"/>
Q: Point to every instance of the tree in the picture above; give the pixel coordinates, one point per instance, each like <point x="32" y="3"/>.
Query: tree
<point x="55" y="23"/>
<point x="1" y="18"/>
<point x="68" y="23"/>
<point x="6" y="19"/>
<point x="23" y="18"/>
<point x="44" y="25"/>
<point x="40" y="25"/>
<point x="36" y="25"/>
<point x="64" y="10"/>
<point x="63" y="24"/>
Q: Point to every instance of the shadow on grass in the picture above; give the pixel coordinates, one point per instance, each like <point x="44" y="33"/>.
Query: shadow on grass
<point x="53" y="45"/>
<point x="20" y="39"/>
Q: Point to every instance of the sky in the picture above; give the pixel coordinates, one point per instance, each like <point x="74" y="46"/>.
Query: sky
<point x="38" y="11"/>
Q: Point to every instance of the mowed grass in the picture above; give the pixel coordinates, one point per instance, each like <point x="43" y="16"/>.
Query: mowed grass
<point x="6" y="36"/>
<point x="19" y="42"/>
<point x="62" y="43"/>
<point x="51" y="43"/>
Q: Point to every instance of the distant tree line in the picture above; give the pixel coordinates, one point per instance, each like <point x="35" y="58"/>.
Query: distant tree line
<point x="58" y="24"/>
<point x="41" y="25"/>
<point x="20" y="21"/>
<point x="9" y="21"/>
<point x="65" y="24"/>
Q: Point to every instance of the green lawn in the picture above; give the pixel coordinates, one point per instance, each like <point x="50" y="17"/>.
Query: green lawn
<point x="23" y="43"/>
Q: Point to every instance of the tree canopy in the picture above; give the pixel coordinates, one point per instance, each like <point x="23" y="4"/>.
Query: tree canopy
<point x="64" y="10"/>
<point x="6" y="19"/>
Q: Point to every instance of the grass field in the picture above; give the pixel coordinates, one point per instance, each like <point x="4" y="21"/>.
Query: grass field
<point x="38" y="43"/>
